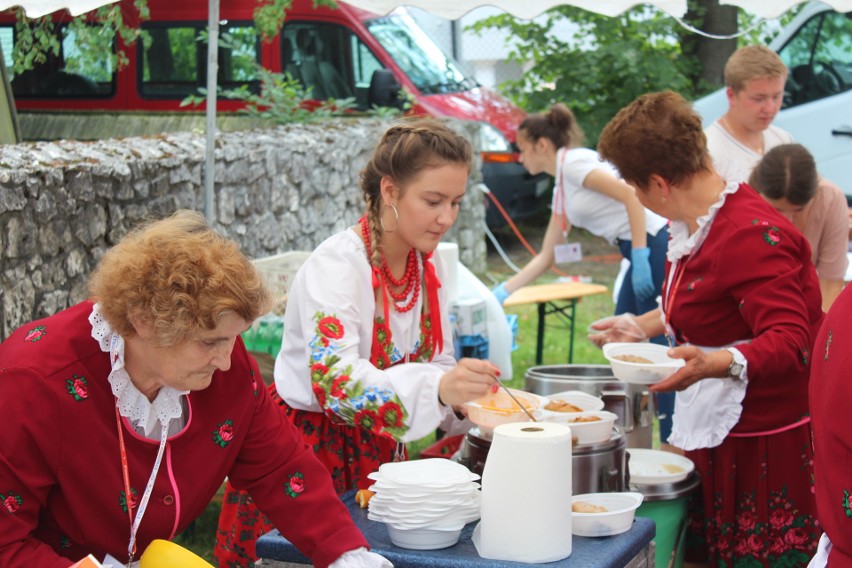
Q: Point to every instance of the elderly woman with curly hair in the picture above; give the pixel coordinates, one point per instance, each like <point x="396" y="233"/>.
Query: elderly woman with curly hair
<point x="121" y="416"/>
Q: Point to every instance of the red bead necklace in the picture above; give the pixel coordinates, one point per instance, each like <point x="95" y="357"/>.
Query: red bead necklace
<point x="410" y="280"/>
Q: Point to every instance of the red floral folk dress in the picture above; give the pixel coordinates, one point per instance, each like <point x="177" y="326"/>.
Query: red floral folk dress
<point x="750" y="283"/>
<point x="355" y="435"/>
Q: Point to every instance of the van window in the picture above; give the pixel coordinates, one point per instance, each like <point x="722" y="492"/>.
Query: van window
<point x="819" y="57"/>
<point x="78" y="70"/>
<point x="320" y="56"/>
<point x="426" y="64"/>
<point x="173" y="59"/>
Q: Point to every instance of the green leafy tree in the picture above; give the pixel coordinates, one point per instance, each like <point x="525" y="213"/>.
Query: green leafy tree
<point x="37" y="40"/>
<point x="603" y="65"/>
<point x="606" y="62"/>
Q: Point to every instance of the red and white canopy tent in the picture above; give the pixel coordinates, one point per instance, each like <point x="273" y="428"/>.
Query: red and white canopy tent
<point x="452" y="9"/>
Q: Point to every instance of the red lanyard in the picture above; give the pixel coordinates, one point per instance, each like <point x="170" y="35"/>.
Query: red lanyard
<point x="125" y="470"/>
<point x="671" y="293"/>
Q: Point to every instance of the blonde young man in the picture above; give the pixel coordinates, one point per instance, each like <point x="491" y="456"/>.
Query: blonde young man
<point x="754" y="79"/>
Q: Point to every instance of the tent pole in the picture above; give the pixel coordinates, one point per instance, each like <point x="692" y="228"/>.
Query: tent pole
<point x="212" y="73"/>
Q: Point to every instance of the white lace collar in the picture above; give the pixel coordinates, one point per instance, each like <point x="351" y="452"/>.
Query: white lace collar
<point x="131" y="403"/>
<point x="681" y="243"/>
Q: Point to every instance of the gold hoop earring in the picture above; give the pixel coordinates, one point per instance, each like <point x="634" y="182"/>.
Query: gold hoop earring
<point x="382" y="217"/>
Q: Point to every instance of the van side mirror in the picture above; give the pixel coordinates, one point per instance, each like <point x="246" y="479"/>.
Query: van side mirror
<point x="384" y="90"/>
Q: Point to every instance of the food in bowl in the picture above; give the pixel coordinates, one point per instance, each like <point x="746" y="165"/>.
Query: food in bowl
<point x="617" y="518"/>
<point x="654" y="467"/>
<point x="567" y="403"/>
<point x="584" y="419"/>
<point x="658" y="367"/>
<point x="562" y="406"/>
<point x="584" y="507"/>
<point x="632" y="359"/>
<point x="498" y="408"/>
<point x="589" y="427"/>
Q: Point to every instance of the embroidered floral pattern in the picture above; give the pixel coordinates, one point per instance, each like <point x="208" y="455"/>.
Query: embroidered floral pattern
<point x="847" y="506"/>
<point x="35" y="334"/>
<point x="77" y="387"/>
<point x="784" y="539"/>
<point x="12" y="502"/>
<point x="806" y="355"/>
<point x="371" y="408"/>
<point x="771" y="235"/>
<point x="295" y="485"/>
<point x="692" y="285"/>
<point x="224" y="433"/>
<point x="330" y="327"/>
<point x="122" y="499"/>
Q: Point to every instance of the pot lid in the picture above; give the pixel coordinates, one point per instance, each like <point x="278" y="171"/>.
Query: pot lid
<point x="616" y="439"/>
<point x="668" y="491"/>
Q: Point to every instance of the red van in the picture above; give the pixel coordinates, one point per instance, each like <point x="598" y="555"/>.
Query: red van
<point x="338" y="53"/>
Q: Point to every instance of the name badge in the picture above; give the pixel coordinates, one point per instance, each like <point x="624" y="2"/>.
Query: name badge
<point x="569" y="252"/>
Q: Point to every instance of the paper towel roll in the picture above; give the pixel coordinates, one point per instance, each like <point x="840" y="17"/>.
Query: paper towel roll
<point x="526" y="494"/>
<point x="449" y="252"/>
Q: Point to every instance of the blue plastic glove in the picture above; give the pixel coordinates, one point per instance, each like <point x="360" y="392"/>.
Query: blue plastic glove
<point x="643" y="284"/>
<point x="500" y="292"/>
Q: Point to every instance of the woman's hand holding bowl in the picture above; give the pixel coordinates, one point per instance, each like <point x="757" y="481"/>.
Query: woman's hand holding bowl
<point x="700" y="364"/>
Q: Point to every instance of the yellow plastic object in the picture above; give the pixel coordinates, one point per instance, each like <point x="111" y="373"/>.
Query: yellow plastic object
<point x="166" y="554"/>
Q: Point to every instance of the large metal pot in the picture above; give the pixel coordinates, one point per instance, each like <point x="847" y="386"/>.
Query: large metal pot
<point x="633" y="404"/>
<point x="595" y="468"/>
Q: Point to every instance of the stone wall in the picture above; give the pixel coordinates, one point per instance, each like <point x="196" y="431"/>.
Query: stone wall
<point x="63" y="204"/>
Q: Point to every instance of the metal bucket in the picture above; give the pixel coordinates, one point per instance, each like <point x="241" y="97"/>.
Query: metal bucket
<point x="595" y="468"/>
<point x="633" y="404"/>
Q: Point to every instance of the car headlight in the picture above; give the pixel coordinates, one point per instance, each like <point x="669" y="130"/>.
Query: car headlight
<point x="492" y="140"/>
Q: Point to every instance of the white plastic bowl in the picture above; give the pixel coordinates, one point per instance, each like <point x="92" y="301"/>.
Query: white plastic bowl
<point x="661" y="366"/>
<point x="424" y="538"/>
<point x="655" y="467"/>
<point x="621" y="509"/>
<point x="579" y="399"/>
<point x="586" y="432"/>
<point x="498" y="408"/>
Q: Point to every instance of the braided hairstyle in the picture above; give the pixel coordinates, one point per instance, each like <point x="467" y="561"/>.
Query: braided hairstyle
<point x="406" y="150"/>
<point x="557" y="125"/>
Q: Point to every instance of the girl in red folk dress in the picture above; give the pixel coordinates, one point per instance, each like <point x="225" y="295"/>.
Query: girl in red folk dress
<point x="367" y="362"/>
<point x="742" y="303"/>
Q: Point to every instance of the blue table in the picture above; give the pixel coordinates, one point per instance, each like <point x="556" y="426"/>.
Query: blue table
<point x="602" y="552"/>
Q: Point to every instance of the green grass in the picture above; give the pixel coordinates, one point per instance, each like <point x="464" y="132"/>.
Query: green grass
<point x="599" y="263"/>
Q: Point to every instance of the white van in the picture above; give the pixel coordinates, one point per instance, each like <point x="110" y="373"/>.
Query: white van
<point x="817" y="48"/>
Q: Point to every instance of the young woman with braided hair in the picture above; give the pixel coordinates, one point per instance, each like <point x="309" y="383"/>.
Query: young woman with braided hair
<point x="366" y="362"/>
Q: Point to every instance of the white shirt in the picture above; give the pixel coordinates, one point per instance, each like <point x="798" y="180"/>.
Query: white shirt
<point x="732" y="159"/>
<point x="336" y="280"/>
<point x="586" y="208"/>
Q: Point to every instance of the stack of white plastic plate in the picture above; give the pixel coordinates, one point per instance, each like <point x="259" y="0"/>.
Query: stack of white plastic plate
<point x="424" y="503"/>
